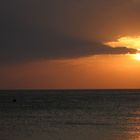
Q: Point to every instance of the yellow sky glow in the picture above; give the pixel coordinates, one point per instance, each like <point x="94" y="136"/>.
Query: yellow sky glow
<point x="130" y="42"/>
<point x="136" y="56"/>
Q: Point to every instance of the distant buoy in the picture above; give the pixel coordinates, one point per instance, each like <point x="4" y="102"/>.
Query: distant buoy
<point x="14" y="100"/>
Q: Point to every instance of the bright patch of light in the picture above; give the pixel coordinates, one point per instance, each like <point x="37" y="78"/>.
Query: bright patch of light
<point x="130" y="42"/>
<point x="136" y="56"/>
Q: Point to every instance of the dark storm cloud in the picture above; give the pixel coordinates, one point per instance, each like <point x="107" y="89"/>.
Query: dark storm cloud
<point x="25" y="44"/>
<point x="25" y="33"/>
<point x="90" y="19"/>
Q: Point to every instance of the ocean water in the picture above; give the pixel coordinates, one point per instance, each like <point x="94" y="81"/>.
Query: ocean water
<point x="70" y="115"/>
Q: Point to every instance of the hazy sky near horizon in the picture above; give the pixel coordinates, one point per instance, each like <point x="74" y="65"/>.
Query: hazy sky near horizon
<point x="61" y="44"/>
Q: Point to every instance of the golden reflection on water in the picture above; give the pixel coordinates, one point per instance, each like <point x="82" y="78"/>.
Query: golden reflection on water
<point x="133" y="127"/>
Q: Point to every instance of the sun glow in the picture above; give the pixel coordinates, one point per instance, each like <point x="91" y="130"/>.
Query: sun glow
<point x="137" y="55"/>
<point x="130" y="42"/>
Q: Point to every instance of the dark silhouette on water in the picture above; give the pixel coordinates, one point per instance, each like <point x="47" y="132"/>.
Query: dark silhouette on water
<point x="14" y="100"/>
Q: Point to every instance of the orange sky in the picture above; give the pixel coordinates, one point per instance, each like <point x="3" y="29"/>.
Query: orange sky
<point x="62" y="44"/>
<point x="106" y="71"/>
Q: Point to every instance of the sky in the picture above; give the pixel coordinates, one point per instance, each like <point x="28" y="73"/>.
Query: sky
<point x="86" y="44"/>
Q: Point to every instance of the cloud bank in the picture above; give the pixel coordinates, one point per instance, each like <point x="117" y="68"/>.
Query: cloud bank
<point x="24" y="37"/>
<point x="23" y="44"/>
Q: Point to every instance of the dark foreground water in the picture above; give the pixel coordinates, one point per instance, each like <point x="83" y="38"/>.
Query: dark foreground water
<point x="70" y="115"/>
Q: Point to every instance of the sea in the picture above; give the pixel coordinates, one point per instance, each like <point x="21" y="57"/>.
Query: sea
<point x="70" y="114"/>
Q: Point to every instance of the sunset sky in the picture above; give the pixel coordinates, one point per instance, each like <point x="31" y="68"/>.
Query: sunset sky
<point x="69" y="44"/>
